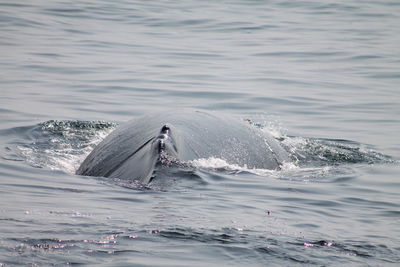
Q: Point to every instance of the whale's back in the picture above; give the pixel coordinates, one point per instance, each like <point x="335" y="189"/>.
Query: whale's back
<point x="129" y="152"/>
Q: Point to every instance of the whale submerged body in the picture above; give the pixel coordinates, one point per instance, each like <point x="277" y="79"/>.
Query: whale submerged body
<point x="133" y="150"/>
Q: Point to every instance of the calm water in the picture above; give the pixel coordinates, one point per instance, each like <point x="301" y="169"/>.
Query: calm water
<point x="323" y="76"/>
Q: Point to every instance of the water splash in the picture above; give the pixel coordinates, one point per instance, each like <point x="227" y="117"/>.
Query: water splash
<point x="58" y="145"/>
<point x="308" y="151"/>
<point x="331" y="152"/>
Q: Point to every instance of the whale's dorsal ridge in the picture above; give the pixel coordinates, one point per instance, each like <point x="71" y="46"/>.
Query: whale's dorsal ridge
<point x="165" y="129"/>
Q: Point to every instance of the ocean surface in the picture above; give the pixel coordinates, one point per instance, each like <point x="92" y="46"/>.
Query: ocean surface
<point x="322" y="76"/>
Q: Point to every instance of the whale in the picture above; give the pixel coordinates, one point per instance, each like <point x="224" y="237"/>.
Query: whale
<point x="135" y="149"/>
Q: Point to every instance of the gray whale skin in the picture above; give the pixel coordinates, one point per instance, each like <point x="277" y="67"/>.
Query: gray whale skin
<point x="133" y="150"/>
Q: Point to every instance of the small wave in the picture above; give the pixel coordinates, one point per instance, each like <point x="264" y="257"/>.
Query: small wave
<point x="314" y="152"/>
<point x="331" y="152"/>
<point x="57" y="145"/>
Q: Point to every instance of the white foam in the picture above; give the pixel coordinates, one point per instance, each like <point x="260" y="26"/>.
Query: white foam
<point x="60" y="155"/>
<point x="288" y="169"/>
<point x="214" y="163"/>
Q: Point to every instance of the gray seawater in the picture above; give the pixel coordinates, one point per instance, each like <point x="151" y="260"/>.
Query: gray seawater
<point x="322" y="76"/>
